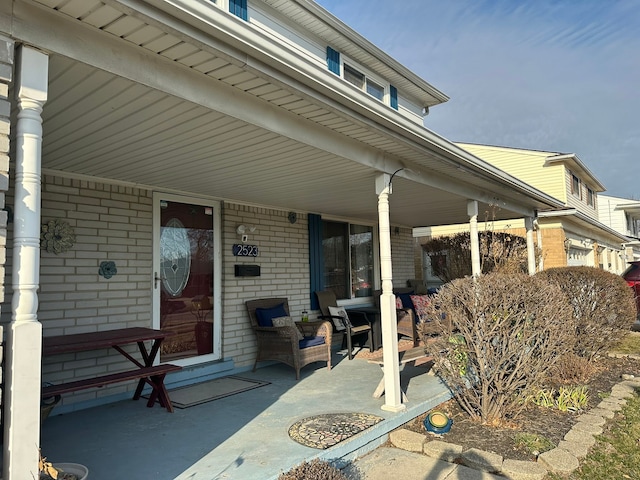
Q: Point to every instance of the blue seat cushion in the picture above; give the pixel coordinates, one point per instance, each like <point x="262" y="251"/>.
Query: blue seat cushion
<point x="265" y="316"/>
<point x="406" y="300"/>
<point x="311" y="342"/>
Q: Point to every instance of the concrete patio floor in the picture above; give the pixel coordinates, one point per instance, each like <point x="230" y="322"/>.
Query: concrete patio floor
<point x="240" y="437"/>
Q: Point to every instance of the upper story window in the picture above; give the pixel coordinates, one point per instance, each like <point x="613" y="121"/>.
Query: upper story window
<point x="575" y="186"/>
<point x="591" y="198"/>
<point x="360" y="79"/>
<point x="239" y="8"/>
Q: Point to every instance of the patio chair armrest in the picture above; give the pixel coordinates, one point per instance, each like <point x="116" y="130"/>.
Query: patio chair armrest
<point x="318" y="328"/>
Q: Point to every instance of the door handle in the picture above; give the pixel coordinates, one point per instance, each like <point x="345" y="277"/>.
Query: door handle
<point x="157" y="279"/>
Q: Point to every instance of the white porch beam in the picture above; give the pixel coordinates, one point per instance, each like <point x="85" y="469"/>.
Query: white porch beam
<point x="22" y="393"/>
<point x="531" y="248"/>
<point x="391" y="367"/>
<point x="472" y="211"/>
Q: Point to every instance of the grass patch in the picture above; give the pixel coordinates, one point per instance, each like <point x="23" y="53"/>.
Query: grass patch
<point x="532" y="443"/>
<point x="616" y="454"/>
<point x="629" y="344"/>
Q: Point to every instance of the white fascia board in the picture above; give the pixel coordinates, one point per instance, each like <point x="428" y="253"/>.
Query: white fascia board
<point x="558" y="213"/>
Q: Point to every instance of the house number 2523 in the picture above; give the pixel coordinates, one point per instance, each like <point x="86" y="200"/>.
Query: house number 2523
<point x="241" y="250"/>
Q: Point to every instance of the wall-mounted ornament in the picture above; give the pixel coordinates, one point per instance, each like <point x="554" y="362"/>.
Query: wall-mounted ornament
<point x="293" y="217"/>
<point x="57" y="236"/>
<point x="107" y="269"/>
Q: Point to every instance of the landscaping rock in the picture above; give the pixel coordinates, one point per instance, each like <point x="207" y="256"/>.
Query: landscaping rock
<point x="578" y="450"/>
<point x="522" y="470"/>
<point x="481" y="460"/>
<point x="588" y="427"/>
<point x="601" y="412"/>
<point x="611" y="404"/>
<point x="407" y="440"/>
<point x="592" y="419"/>
<point x="579" y="437"/>
<point x="622" y="392"/>
<point x="449" y="452"/>
<point x="558" y="461"/>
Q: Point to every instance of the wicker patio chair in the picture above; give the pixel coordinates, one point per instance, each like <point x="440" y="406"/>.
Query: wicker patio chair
<point x="283" y="344"/>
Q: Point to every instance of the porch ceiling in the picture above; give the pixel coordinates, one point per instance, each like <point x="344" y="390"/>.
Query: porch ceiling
<point x="147" y="128"/>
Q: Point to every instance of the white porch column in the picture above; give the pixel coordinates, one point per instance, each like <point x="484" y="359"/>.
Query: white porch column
<point x="472" y="211"/>
<point x="22" y="412"/>
<point x="531" y="248"/>
<point x="391" y="368"/>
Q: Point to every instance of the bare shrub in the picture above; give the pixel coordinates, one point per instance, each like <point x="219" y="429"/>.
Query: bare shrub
<point x="499" y="252"/>
<point x="314" y="470"/>
<point x="500" y="335"/>
<point x="601" y="302"/>
<point x="570" y="369"/>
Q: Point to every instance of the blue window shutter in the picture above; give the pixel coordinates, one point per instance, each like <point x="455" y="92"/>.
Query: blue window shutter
<point x="393" y="91"/>
<point x="333" y="60"/>
<point x="239" y="8"/>
<point x="316" y="259"/>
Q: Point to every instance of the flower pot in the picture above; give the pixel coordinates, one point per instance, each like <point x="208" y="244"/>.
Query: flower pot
<point x="204" y="337"/>
<point x="66" y="469"/>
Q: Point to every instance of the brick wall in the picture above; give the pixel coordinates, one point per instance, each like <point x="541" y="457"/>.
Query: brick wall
<point x="111" y="223"/>
<point x="284" y="263"/>
<point x="553" y="247"/>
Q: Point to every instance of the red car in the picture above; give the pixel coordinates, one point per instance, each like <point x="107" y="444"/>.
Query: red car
<point x="632" y="276"/>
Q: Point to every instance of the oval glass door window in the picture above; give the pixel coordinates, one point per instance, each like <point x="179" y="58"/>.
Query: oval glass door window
<point x="175" y="253"/>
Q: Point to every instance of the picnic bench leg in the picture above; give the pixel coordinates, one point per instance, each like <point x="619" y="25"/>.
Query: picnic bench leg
<point x="158" y="392"/>
<point x="149" y="358"/>
<point x="380" y="390"/>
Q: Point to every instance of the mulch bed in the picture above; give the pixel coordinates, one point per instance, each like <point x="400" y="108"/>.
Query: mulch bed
<point x="549" y="423"/>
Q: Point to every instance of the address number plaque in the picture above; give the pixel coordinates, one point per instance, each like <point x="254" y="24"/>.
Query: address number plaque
<point x="242" y="250"/>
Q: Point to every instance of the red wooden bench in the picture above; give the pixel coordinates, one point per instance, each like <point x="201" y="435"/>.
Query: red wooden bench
<point x="154" y="376"/>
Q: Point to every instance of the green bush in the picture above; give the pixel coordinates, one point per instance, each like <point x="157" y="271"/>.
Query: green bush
<point x="602" y="305"/>
<point x="500" y="335"/>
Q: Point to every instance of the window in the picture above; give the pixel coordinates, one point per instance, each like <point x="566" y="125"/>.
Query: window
<point x="375" y="90"/>
<point x="575" y="186"/>
<point x="353" y="76"/>
<point x="361" y="81"/>
<point x="239" y="8"/>
<point x="348" y="259"/>
<point x="591" y="198"/>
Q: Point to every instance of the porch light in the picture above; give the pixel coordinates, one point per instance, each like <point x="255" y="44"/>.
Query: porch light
<point x="242" y="229"/>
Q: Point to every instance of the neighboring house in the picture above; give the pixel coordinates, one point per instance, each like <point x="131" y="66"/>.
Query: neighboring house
<point x="196" y="155"/>
<point x="623" y="215"/>
<point x="571" y="235"/>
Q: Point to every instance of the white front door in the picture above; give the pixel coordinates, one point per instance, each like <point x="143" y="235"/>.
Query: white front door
<point x="187" y="274"/>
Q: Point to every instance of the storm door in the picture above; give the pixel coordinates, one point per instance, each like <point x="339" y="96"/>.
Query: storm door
<point x="186" y="283"/>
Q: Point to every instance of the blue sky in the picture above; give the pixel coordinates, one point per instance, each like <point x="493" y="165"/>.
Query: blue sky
<point x="559" y="75"/>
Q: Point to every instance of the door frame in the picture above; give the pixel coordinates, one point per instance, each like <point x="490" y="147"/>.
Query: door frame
<point x="217" y="271"/>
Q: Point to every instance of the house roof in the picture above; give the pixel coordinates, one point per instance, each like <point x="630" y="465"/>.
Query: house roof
<point x="182" y="97"/>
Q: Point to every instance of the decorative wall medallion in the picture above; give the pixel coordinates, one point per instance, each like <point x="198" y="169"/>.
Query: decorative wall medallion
<point x="107" y="269"/>
<point x="57" y="236"/>
<point x="293" y="217"/>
